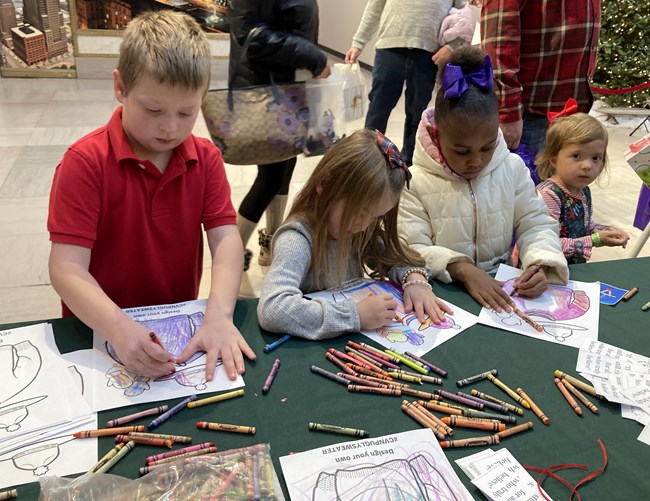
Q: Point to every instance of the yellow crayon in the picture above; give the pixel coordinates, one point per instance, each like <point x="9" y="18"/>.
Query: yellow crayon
<point x="577" y="383"/>
<point x="216" y="398"/>
<point x="499" y="384"/>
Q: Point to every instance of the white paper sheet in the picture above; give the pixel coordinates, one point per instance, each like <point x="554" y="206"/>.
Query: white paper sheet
<point x="568" y="314"/>
<point x="113" y="385"/>
<point x="409" y="465"/>
<point x="408" y="333"/>
<point x="645" y="435"/>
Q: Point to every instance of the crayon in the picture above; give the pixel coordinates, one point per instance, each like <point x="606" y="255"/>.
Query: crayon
<point x="425" y="379"/>
<point x="538" y="412"/>
<point x="216" y="398"/>
<point x="272" y="346"/>
<point x="470" y="442"/>
<point x="362" y="382"/>
<point x="364" y="362"/>
<point x="646" y="306"/>
<point x="628" y="295"/>
<point x="419" y="394"/>
<point x="379" y="391"/>
<point x="235" y="428"/>
<point x="486" y="403"/>
<point x="416" y="366"/>
<point x="373" y="356"/>
<point x="440" y="408"/>
<point x="363" y="357"/>
<point x="473" y="379"/>
<point x="499" y="384"/>
<point x="509" y="406"/>
<point x="488" y="415"/>
<point x="165" y="416"/>
<point x="155" y="442"/>
<point x="114" y="460"/>
<point x="423" y="420"/>
<point x="379" y="353"/>
<point x="578" y="384"/>
<point x="385" y="382"/>
<point x="178" y="452"/>
<point x="147" y="469"/>
<point x="567" y="396"/>
<point x="354" y="361"/>
<point x="580" y="396"/>
<point x="155" y="339"/>
<point x="200" y="452"/>
<point x="330" y="428"/>
<point x="448" y="429"/>
<point x="449" y="404"/>
<point x="177" y="439"/>
<point x="362" y="370"/>
<point x="469" y="423"/>
<point x="340" y="364"/>
<point x="322" y="372"/>
<point x="105" y="432"/>
<point x="405" y="377"/>
<point x="515" y="429"/>
<point x="528" y="320"/>
<point x="106" y="457"/>
<point x="461" y="400"/>
<point x="10" y="494"/>
<point x="431" y="367"/>
<point x="271" y="377"/>
<point x="225" y="485"/>
<point x="132" y="417"/>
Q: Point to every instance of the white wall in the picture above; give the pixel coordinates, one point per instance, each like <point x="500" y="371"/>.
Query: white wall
<point x="339" y="20"/>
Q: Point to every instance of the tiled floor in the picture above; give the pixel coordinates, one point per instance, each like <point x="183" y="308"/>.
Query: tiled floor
<point x="39" y="118"/>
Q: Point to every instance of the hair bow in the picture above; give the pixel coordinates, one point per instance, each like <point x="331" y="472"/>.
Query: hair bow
<point x="393" y="155"/>
<point x="455" y="82"/>
<point x="570" y="108"/>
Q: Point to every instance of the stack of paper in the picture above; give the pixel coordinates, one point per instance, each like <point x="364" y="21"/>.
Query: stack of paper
<point x="620" y="376"/>
<point x="41" y="405"/>
<point x="500" y="476"/>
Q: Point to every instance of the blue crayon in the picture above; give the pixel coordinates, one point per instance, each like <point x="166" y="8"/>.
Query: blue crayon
<point x="164" y="417"/>
<point x="275" y="344"/>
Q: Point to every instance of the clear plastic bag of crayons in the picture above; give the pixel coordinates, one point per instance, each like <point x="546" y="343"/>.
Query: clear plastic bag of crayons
<point x="242" y="474"/>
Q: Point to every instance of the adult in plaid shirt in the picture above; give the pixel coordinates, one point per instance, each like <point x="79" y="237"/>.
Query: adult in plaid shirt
<point x="543" y="52"/>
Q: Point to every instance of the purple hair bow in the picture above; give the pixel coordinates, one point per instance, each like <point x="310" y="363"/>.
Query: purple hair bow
<point x="455" y="82"/>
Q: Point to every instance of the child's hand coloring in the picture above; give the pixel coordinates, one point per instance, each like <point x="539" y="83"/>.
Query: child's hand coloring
<point x="532" y="283"/>
<point x="423" y="301"/>
<point x="377" y="311"/>
<point x="138" y="352"/>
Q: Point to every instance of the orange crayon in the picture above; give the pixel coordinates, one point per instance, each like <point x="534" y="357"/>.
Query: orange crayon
<point x="105" y="432"/>
<point x="515" y="429"/>
<point x="538" y="412"/>
<point x="567" y="396"/>
<point x="470" y="442"/>
<point x="471" y="423"/>
<point x="580" y="396"/>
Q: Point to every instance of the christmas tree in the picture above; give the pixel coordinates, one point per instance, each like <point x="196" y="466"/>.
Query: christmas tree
<point x="624" y="51"/>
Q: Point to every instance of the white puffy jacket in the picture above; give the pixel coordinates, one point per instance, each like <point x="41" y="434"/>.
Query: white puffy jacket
<point x="449" y="219"/>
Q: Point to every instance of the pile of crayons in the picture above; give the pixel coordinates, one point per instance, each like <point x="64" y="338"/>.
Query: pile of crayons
<point x="127" y="436"/>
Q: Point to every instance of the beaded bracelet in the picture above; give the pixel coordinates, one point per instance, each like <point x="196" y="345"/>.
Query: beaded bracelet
<point x="416" y="282"/>
<point x="595" y="238"/>
<point x="421" y="271"/>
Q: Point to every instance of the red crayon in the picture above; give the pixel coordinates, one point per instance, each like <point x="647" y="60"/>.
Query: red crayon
<point x="340" y="364"/>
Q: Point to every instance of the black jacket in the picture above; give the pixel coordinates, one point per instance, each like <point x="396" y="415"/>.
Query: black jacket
<point x="273" y="37"/>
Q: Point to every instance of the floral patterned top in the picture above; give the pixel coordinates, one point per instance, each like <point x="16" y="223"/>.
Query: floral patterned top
<point x="575" y="217"/>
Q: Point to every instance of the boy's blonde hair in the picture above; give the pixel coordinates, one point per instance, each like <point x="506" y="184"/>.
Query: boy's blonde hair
<point x="578" y="128"/>
<point x="356" y="171"/>
<point x="167" y="46"/>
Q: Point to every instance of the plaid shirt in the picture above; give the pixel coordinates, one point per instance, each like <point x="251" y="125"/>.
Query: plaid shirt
<point x="543" y="52"/>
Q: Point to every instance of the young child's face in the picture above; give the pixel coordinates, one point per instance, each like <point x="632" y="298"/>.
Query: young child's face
<point x="578" y="165"/>
<point x="363" y="219"/>
<point x="468" y="148"/>
<point x="156" y="116"/>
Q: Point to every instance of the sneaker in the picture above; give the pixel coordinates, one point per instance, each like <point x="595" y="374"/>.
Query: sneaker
<point x="265" y="256"/>
<point x="248" y="255"/>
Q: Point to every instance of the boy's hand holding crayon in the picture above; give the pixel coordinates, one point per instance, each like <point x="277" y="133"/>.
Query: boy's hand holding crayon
<point x="139" y="352"/>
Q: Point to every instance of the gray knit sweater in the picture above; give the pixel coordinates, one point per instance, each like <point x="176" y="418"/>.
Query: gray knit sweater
<point x="283" y="307"/>
<point x="413" y="24"/>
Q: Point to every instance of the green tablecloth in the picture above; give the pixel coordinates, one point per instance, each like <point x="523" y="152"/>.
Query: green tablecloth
<point x="298" y="396"/>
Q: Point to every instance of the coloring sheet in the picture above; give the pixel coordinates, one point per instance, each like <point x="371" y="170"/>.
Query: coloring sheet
<point x="408" y="465"/>
<point x="40" y="407"/>
<point x="113" y="385"/>
<point x="406" y="333"/>
<point x="568" y="313"/>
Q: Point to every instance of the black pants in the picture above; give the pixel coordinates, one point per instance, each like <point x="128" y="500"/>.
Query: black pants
<point x="271" y="180"/>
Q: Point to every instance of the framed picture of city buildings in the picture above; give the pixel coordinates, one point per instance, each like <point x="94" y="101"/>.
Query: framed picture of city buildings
<point x="36" y="38"/>
<point x="115" y="14"/>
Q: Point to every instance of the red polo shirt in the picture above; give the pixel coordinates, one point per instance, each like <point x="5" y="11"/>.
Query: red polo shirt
<point x="144" y="227"/>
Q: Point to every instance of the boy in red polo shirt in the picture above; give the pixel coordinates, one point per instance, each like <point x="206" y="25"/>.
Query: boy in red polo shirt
<point x="128" y="201"/>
